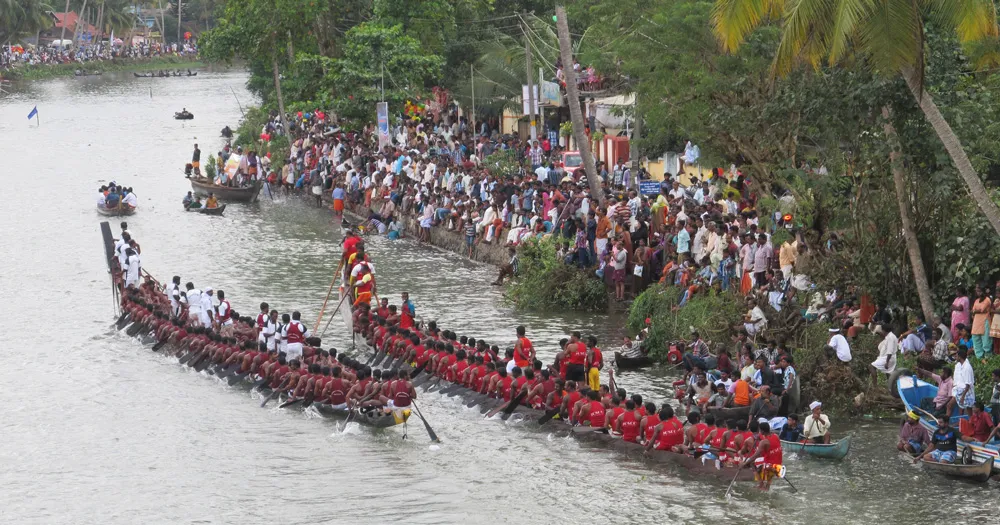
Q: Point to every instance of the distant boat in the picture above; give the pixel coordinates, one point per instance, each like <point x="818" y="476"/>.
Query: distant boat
<point x="121" y="210"/>
<point x="183" y="115"/>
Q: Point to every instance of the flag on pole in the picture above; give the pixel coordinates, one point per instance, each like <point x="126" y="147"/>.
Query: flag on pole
<point x="34" y="112"/>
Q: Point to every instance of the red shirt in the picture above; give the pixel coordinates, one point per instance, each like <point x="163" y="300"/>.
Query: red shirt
<point x="630" y="426"/>
<point x="671" y="434"/>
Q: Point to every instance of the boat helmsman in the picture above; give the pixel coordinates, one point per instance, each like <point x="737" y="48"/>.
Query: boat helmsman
<point x="294" y="334"/>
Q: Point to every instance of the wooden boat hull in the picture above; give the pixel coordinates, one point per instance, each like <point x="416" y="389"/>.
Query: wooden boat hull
<point x="979" y="472"/>
<point x="224" y="193"/>
<point x="690" y="463"/>
<point x="836" y="450"/>
<point x="209" y="211"/>
<point x="374" y="419"/>
<point x="120" y="211"/>
<point x="631" y="363"/>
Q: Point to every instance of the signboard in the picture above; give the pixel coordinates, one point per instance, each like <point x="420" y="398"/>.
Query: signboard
<point x="524" y="100"/>
<point x="550" y="94"/>
<point x="649" y="187"/>
<point x="382" y="112"/>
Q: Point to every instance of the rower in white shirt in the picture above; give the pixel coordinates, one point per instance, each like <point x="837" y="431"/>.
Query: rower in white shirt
<point x="207" y="315"/>
<point x="193" y="298"/>
<point x="174" y="294"/>
<point x="132" y="268"/>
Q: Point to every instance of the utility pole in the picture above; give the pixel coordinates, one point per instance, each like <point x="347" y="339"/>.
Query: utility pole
<point x="531" y="88"/>
<point x="62" y="34"/>
<point x="573" y="98"/>
<point x="383" y="81"/>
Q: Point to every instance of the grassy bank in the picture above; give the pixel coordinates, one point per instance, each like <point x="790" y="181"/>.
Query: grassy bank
<point x="47" y="71"/>
<point x="545" y="283"/>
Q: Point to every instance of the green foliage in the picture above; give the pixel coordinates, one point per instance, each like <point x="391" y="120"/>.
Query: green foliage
<point x="210" y="167"/>
<point x="712" y="316"/>
<point x="544" y="282"/>
<point x="22" y="17"/>
<point x="502" y="163"/>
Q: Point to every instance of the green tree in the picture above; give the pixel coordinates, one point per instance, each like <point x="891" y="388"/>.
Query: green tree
<point x="22" y="17"/>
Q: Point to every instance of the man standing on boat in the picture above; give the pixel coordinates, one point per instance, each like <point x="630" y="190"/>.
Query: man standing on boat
<point x="132" y="269"/>
<point x="196" y="160"/>
<point x="174" y="294"/>
<point x="207" y="314"/>
<point x="524" y="352"/>
<point x="193" y="298"/>
<point x="225" y="316"/>
<point x="294" y="333"/>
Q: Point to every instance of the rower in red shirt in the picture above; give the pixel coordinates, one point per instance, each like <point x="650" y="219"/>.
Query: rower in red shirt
<point x="616" y="409"/>
<point x="592" y="411"/>
<point x="648" y="422"/>
<point x="668" y="435"/>
<point x="766" y="460"/>
<point x="524" y="352"/>
<point x="628" y="422"/>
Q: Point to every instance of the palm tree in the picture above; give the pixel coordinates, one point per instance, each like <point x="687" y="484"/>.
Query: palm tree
<point x="890" y="35"/>
<point x="22" y="17"/>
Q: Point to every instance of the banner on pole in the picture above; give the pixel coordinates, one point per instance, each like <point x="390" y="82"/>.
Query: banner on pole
<point x="524" y="99"/>
<point x="382" y="110"/>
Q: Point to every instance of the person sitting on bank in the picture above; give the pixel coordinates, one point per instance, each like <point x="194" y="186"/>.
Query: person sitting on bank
<point x="817" y="425"/>
<point x="739" y="393"/>
<point x="792" y="431"/>
<point x="979" y="426"/>
<point x="913" y="437"/>
<point x="943" y="402"/>
<point x="944" y="444"/>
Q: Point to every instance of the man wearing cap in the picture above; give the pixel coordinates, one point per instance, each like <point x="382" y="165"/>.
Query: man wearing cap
<point x="913" y="437"/>
<point x="839" y="343"/>
<point x="817" y="425"/>
<point x="207" y="314"/>
<point x="887" y="349"/>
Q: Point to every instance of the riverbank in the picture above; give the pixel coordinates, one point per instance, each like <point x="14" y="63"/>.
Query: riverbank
<point x="48" y="71"/>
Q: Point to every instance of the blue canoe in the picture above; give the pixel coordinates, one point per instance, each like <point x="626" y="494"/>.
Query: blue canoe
<point x="912" y="390"/>
<point x="835" y="450"/>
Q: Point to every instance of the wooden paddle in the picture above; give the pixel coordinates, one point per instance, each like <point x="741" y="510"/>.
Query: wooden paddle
<point x="479" y="398"/>
<point x="123" y="320"/>
<point x="336" y="274"/>
<point x="733" y="483"/>
<point x="274" y="393"/>
<point x="135" y="329"/>
<point x="290" y="402"/>
<point x="308" y="399"/>
<point x="508" y="408"/>
<point x="236" y="378"/>
<point x="159" y="344"/>
<point x="549" y="414"/>
<point x="794" y="490"/>
<point x="430" y="431"/>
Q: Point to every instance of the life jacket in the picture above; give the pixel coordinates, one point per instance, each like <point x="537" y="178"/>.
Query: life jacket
<point x="295" y="332"/>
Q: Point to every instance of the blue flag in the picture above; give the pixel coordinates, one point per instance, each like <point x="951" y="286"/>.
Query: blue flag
<point x="34" y="111"/>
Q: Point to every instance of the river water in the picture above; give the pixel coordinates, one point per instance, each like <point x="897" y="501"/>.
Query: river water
<point x="98" y="429"/>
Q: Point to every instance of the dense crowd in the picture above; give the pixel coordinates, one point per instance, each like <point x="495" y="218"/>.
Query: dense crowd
<point x="11" y="56"/>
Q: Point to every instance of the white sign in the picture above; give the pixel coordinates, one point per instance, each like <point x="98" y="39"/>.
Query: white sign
<point x="524" y="99"/>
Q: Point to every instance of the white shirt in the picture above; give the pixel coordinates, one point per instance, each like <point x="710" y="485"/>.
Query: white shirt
<point x="889" y="345"/>
<point x="101" y="202"/>
<point x="223" y="310"/>
<point x="843" y="348"/>
<point x="174" y="294"/>
<point x="131" y="200"/>
<point x="132" y="267"/>
<point x="542" y="173"/>
<point x="964" y="378"/>
<point x="206" y="303"/>
<point x="194" y="301"/>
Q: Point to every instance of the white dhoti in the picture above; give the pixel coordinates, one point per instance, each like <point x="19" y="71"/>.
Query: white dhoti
<point x="786" y="271"/>
<point x="600" y="245"/>
<point x="293" y="351"/>
<point x="885" y="363"/>
<point x="194" y="317"/>
<point x="204" y="319"/>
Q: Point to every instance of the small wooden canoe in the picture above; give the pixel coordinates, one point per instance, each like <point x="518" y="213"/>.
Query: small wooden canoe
<point x="978" y="472"/>
<point x="631" y="363"/>
<point x="209" y="211"/>
<point x="835" y="450"/>
<point x="226" y="193"/>
<point x="120" y="211"/>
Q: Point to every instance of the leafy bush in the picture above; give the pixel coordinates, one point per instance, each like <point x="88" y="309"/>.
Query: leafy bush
<point x="712" y="316"/>
<point x="545" y="282"/>
<point x="210" y="167"/>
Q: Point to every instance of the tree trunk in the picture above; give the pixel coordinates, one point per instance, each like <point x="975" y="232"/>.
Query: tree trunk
<point x="573" y="99"/>
<point x="903" y="200"/>
<point x="633" y="149"/>
<point x="79" y="21"/>
<point x="291" y="48"/>
<point x="954" y="146"/>
<point x="62" y="34"/>
<point x="281" y="100"/>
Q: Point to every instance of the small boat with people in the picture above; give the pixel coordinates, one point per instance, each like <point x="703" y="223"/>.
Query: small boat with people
<point x="184" y="114"/>
<point x="166" y="74"/>
<point x="211" y="205"/>
<point x="204" y="186"/>
<point x="916" y="394"/>
<point x="835" y="450"/>
<point x="116" y="201"/>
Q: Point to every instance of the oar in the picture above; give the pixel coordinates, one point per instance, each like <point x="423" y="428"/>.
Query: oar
<point x="332" y="316"/>
<point x="430" y="431"/>
<point x="549" y="414"/>
<point x="479" y="398"/>
<point x="794" y="490"/>
<point x="121" y="320"/>
<point x="238" y="377"/>
<point x="260" y="383"/>
<point x="274" y="393"/>
<point x="451" y="388"/>
<point x="290" y="402"/>
<point x="508" y="408"/>
<point x="187" y="357"/>
<point x="135" y="329"/>
<point x="308" y="399"/>
<point x="319" y="318"/>
<point x="160" y="344"/>
<point x="733" y="483"/>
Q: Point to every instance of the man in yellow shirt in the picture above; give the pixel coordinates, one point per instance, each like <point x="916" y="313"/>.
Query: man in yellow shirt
<point x="786" y="256"/>
<point x="211" y="202"/>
